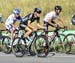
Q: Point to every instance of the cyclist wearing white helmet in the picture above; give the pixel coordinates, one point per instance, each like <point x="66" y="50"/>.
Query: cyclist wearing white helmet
<point x="50" y="18"/>
<point x="11" y="20"/>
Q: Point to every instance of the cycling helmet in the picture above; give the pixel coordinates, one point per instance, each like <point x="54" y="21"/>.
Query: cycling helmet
<point x="38" y="10"/>
<point x="73" y="20"/>
<point x="16" y="11"/>
<point x="58" y="8"/>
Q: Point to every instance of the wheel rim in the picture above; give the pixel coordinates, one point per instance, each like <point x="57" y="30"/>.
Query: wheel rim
<point x="18" y="47"/>
<point x="5" y="47"/>
<point x="41" y="47"/>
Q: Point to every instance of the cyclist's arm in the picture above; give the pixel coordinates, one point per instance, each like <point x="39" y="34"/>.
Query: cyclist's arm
<point x="49" y="21"/>
<point x="29" y="17"/>
<point x="38" y="23"/>
<point x="61" y="22"/>
<point x="19" y="18"/>
<point x="30" y="25"/>
<point x="12" y="25"/>
<point x="40" y="26"/>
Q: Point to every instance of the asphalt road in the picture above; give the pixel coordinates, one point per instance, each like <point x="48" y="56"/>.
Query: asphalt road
<point x="57" y="58"/>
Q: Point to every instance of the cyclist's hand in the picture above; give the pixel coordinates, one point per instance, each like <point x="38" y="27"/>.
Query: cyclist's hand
<point x="65" y="27"/>
<point x="55" y="25"/>
<point x="58" y="27"/>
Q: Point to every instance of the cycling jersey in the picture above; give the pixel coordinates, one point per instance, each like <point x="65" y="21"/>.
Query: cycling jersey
<point x="51" y="15"/>
<point x="11" y="19"/>
<point x="30" y="17"/>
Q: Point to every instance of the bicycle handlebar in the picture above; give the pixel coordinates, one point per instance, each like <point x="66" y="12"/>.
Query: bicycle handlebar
<point x="58" y="28"/>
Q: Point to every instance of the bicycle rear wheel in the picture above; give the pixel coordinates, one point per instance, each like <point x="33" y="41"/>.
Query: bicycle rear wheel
<point x="5" y="45"/>
<point x="18" y="47"/>
<point x="41" y="46"/>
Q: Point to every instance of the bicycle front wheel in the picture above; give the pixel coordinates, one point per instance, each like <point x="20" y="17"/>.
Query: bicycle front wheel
<point x="69" y="40"/>
<point x="58" y="43"/>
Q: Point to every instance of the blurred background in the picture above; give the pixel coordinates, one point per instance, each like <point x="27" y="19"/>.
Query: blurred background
<point x="27" y="6"/>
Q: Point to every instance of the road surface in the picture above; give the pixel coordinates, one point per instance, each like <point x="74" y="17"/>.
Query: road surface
<point x="57" y="58"/>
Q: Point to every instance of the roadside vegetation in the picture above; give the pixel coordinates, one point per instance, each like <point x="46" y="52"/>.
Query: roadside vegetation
<point x="27" y="6"/>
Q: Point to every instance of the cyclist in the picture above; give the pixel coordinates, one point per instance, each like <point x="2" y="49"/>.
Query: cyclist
<point x="1" y="20"/>
<point x="50" y="19"/>
<point x="10" y="21"/>
<point x="29" y="19"/>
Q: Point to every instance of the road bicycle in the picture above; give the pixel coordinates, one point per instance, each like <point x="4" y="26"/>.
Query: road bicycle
<point x="20" y="47"/>
<point x="54" y="42"/>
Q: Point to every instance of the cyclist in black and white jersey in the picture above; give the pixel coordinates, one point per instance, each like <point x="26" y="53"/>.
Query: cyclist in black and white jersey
<point x="50" y="18"/>
<point x="30" y="18"/>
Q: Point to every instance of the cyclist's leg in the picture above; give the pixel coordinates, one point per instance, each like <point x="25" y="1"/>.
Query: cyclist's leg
<point x="33" y="28"/>
<point x="46" y="30"/>
<point x="54" y="33"/>
<point x="46" y="24"/>
<point x="11" y="30"/>
<point x="26" y="28"/>
<point x="58" y="35"/>
<point x="29" y="31"/>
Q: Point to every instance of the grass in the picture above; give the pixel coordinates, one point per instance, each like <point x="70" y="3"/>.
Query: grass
<point x="27" y="6"/>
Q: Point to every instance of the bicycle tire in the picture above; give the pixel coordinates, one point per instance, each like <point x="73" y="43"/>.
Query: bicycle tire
<point x="18" y="48"/>
<point x="69" y="42"/>
<point x="44" y="46"/>
<point x="5" y="45"/>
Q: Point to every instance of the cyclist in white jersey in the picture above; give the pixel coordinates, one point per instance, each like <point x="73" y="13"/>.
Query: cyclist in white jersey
<point x="9" y="24"/>
<point x="51" y="16"/>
